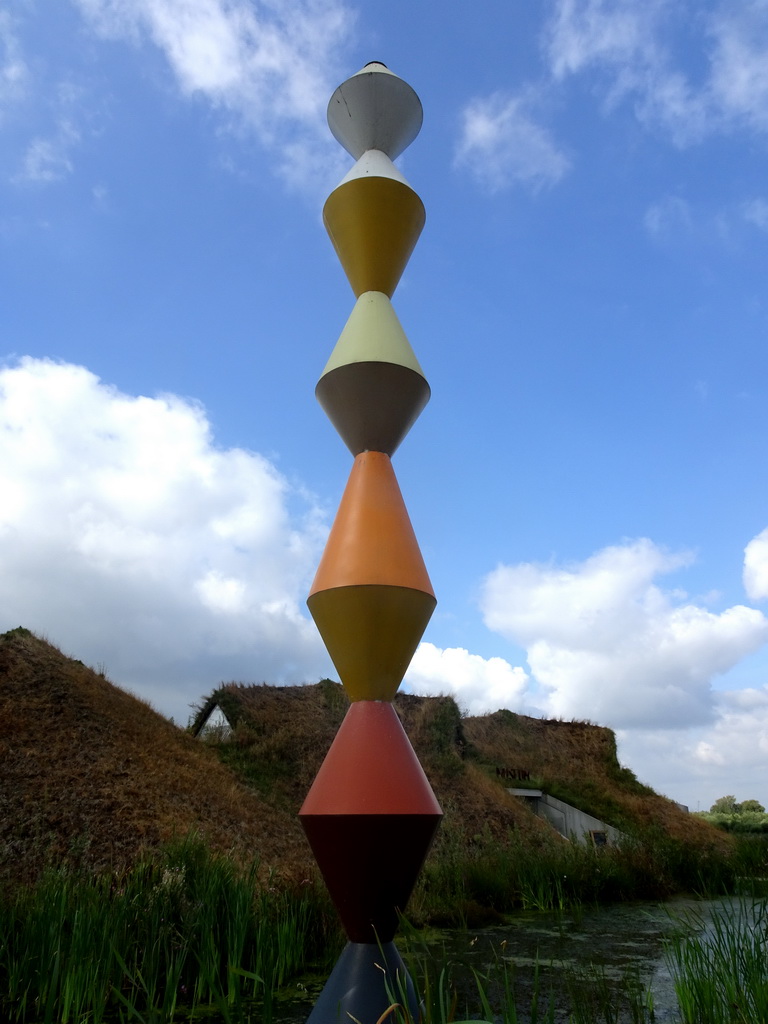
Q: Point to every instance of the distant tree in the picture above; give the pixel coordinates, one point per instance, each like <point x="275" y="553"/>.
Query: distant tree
<point x="725" y="805"/>
<point x="752" y="805"/>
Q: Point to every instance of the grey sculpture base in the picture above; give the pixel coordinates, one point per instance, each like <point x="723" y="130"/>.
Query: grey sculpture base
<point x="366" y="980"/>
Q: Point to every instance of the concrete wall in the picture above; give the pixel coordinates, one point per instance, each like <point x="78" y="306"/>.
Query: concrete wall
<point x="567" y="820"/>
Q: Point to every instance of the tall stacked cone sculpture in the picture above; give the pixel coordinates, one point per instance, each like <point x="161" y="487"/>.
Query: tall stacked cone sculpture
<point x="371" y="815"/>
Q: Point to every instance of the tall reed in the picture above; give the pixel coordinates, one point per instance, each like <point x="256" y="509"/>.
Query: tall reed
<point x="452" y="993"/>
<point x="188" y="930"/>
<point x="459" y="882"/>
<point x="721" y="970"/>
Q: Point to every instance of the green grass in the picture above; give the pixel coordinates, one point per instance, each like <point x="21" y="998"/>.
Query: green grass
<point x="721" y="970"/>
<point x="189" y="932"/>
<point x="185" y="930"/>
<point x="470" y="884"/>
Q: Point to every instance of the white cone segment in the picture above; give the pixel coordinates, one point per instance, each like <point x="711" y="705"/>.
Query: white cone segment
<point x="375" y="109"/>
<point x="374" y="164"/>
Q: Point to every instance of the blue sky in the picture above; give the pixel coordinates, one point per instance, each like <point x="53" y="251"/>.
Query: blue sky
<point x="587" y="300"/>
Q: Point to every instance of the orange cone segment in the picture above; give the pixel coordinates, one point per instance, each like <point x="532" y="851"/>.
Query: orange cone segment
<point x="372" y="540"/>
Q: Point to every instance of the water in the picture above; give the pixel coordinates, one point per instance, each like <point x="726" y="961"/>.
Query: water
<point x="610" y="955"/>
<point x="602" y="956"/>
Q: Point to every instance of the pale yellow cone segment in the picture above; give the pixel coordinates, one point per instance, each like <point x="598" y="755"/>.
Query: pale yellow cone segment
<point x="374" y="164"/>
<point x="373" y="333"/>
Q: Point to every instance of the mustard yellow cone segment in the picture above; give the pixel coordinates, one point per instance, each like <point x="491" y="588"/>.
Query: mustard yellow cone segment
<point x="374" y="224"/>
<point x="371" y="633"/>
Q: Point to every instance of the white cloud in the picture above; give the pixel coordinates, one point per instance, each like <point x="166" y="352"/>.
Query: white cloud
<point x="698" y="765"/>
<point x="481" y="685"/>
<point x="13" y="68"/>
<point x="48" y="156"/>
<point x="48" y="160"/>
<point x="272" y="65"/>
<point x="606" y="643"/>
<point x="739" y="75"/>
<point x="129" y="538"/>
<point x="629" y="47"/>
<point x="623" y="42"/>
<point x="756" y="567"/>
<point x="707" y="753"/>
<point x="668" y="217"/>
<point x="755" y="211"/>
<point x="501" y="145"/>
<point x="586" y="32"/>
<point x="634" y="52"/>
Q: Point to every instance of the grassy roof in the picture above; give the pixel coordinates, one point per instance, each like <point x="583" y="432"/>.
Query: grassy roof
<point x="93" y="776"/>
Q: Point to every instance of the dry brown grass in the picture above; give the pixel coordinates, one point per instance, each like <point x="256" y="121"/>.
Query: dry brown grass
<point x="283" y="734"/>
<point x="579" y="760"/>
<point x="94" y="776"/>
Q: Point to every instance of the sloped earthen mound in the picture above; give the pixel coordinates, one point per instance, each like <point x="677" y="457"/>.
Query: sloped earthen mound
<point x="92" y="776"/>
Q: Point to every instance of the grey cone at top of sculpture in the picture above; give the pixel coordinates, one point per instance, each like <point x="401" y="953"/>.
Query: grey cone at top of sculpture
<point x="370" y="815"/>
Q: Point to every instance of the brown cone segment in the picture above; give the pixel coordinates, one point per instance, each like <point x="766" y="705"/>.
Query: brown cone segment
<point x="370" y="863"/>
<point x="372" y="405"/>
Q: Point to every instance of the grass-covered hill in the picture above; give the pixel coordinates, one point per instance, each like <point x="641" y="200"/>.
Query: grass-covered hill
<point x="91" y="775"/>
<point x="281" y="735"/>
<point x="578" y="762"/>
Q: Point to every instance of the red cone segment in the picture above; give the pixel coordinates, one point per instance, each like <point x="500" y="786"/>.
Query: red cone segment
<point x="370" y="818"/>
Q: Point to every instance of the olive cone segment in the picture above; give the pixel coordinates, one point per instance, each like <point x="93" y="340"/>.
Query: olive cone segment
<point x="374" y="224"/>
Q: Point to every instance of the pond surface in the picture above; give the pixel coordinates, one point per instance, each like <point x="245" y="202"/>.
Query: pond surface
<point x="608" y="958"/>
